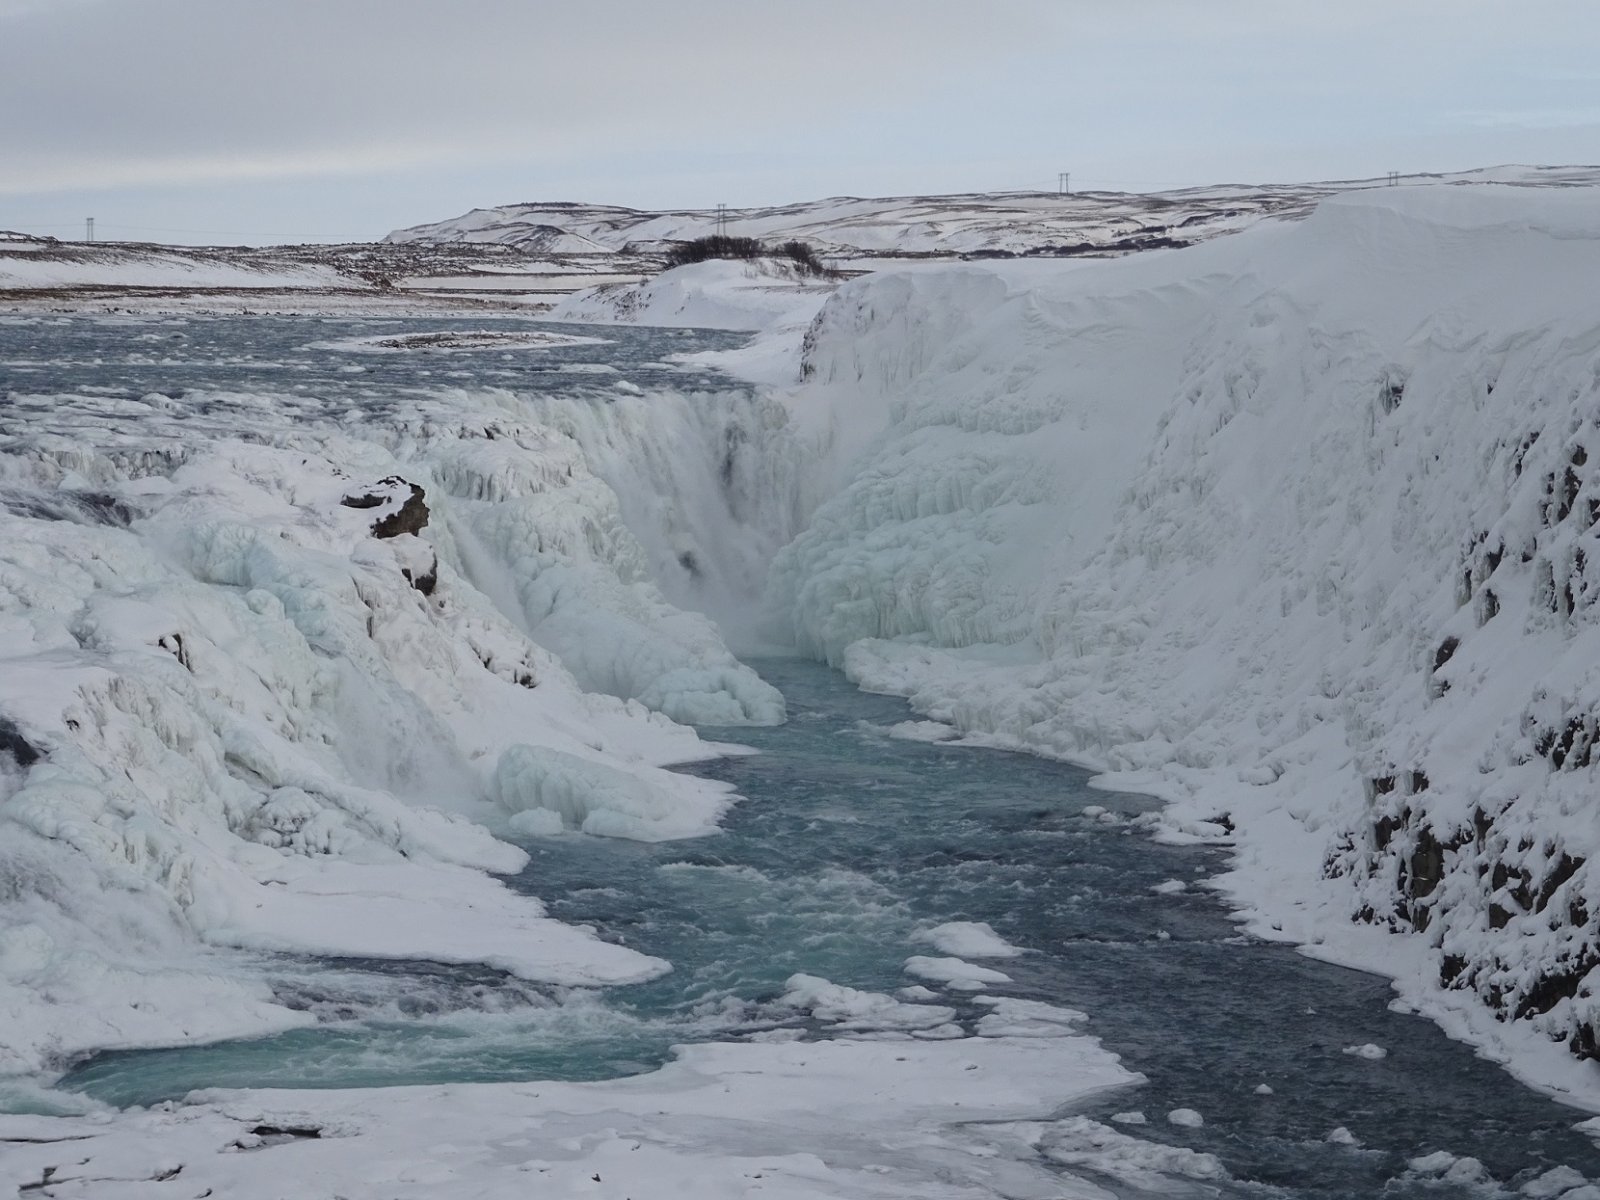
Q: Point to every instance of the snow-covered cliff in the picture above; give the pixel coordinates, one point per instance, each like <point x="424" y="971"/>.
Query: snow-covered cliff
<point x="1296" y="528"/>
<point x="273" y="676"/>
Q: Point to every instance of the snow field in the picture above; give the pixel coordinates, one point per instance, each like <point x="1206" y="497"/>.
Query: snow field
<point x="109" y="266"/>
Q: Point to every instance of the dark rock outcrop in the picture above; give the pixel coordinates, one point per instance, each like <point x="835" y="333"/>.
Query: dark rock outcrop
<point x="405" y="502"/>
<point x="18" y="747"/>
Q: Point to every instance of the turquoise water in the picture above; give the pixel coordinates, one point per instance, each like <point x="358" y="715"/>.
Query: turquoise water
<point x="847" y="844"/>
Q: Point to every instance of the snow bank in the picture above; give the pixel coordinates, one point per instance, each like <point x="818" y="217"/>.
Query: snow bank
<point x="259" y="688"/>
<point x="594" y="797"/>
<point x="1296" y="529"/>
<point x="720" y="294"/>
<point x="874" y="1120"/>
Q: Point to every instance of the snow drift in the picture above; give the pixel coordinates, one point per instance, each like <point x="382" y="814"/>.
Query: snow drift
<point x="1297" y="528"/>
<point x="749" y="295"/>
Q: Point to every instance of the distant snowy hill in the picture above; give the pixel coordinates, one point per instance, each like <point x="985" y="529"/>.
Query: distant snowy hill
<point x="36" y="264"/>
<point x="327" y="278"/>
<point x="973" y="224"/>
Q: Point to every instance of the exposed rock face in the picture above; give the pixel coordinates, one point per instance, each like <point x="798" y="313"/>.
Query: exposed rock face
<point x="18" y="747"/>
<point x="402" y="512"/>
<point x="424" y="580"/>
<point x="404" y="508"/>
<point x="1497" y="872"/>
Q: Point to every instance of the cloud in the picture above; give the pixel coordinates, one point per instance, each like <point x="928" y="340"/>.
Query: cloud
<point x="328" y="114"/>
<point x="227" y="88"/>
<point x="1533" y="118"/>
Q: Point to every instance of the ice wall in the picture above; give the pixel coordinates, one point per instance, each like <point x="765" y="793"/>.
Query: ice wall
<point x="709" y="484"/>
<point x="1295" y="528"/>
<point x="542" y="534"/>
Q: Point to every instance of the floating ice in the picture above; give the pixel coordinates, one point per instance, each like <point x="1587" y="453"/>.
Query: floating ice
<point x="1367" y="1050"/>
<point x="954" y="972"/>
<point x="968" y="939"/>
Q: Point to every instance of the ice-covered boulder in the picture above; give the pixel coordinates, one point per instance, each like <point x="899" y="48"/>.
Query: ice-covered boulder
<point x="396" y="506"/>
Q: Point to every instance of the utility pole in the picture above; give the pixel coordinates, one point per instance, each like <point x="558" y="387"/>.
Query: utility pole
<point x="88" y="225"/>
<point x="1064" y="183"/>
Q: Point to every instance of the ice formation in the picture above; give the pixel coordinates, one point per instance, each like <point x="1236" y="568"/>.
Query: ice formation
<point x="1295" y="529"/>
<point x="274" y="677"/>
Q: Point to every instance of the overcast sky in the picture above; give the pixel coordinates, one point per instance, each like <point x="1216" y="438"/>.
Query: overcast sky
<point x="315" y="120"/>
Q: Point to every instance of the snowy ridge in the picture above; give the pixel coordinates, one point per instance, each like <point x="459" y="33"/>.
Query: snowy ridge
<point x="266" y="694"/>
<point x="1293" y="528"/>
<point x="981" y="223"/>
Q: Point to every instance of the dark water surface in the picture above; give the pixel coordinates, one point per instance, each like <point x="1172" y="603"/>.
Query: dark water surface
<point x="136" y="356"/>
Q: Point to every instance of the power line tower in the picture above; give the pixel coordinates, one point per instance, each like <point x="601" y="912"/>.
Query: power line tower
<point x="1064" y="183"/>
<point x="1394" y="178"/>
<point x="88" y="227"/>
<point x="722" y="220"/>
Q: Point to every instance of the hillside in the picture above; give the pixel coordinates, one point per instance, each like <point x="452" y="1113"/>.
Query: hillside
<point x="973" y="224"/>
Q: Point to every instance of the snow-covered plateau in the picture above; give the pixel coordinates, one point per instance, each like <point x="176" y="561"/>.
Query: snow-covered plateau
<point x="1293" y="529"/>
